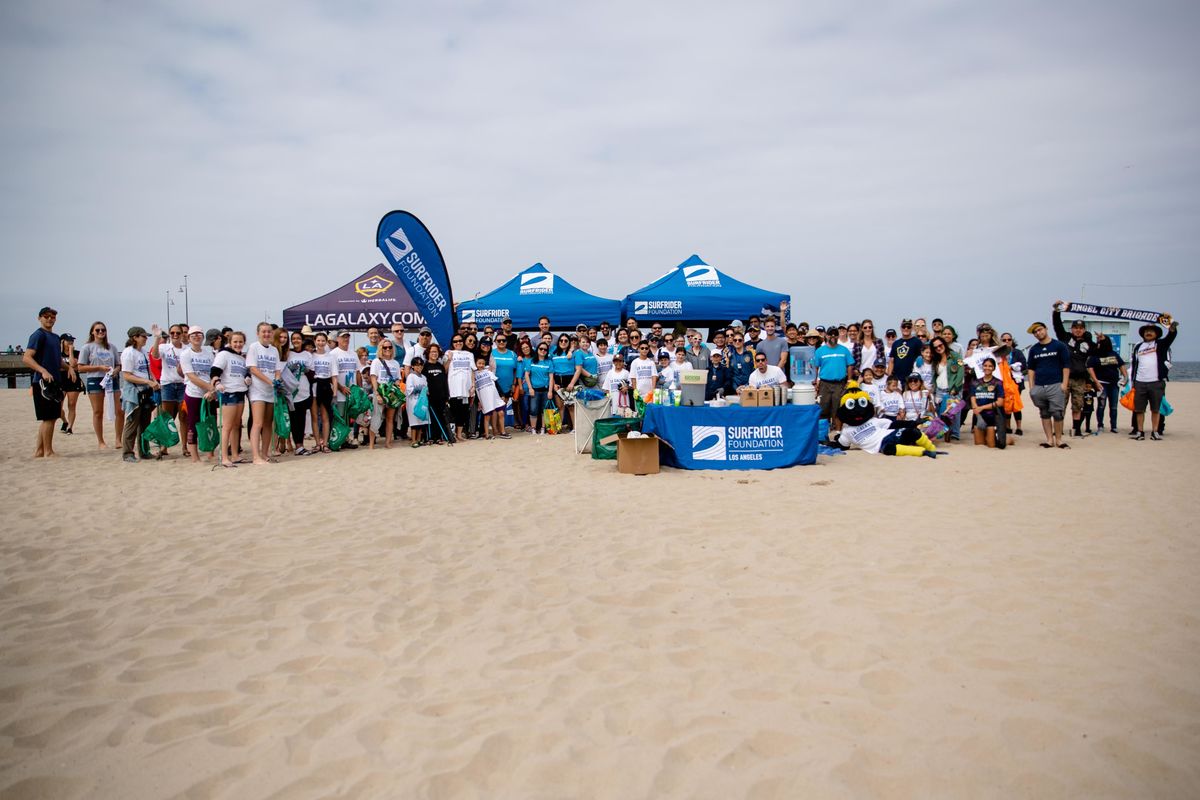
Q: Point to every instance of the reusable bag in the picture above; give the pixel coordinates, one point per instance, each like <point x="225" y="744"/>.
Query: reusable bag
<point x="339" y="432"/>
<point x="208" y="429"/>
<point x="421" y="406"/>
<point x="357" y="403"/>
<point x="283" y="418"/>
<point x="161" y="431"/>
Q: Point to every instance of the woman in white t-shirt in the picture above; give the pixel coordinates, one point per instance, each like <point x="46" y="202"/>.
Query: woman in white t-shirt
<point x="230" y="380"/>
<point x="385" y="369"/>
<point x="460" y="379"/>
<point x="262" y="364"/>
<point x="324" y="365"/>
<point x="98" y="366"/>
<point x="195" y="361"/>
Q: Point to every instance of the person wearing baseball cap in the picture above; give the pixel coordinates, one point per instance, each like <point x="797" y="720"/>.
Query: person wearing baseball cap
<point x="43" y="356"/>
<point x="135" y="381"/>
<point x="1148" y="371"/>
<point x="720" y="378"/>
<point x="904" y="352"/>
<point x="1049" y="371"/>
<point x="72" y="384"/>
<point x="1079" y="341"/>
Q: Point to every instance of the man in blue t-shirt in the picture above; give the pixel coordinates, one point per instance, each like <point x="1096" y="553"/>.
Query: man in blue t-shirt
<point x="833" y="366"/>
<point x="1049" y="373"/>
<point x="43" y="355"/>
<point x="904" y="352"/>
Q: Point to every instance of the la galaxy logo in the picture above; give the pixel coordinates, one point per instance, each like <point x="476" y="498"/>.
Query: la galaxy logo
<point x="398" y="244"/>
<point x="701" y="275"/>
<point x="902" y="350"/>
<point x="641" y="308"/>
<point x="708" y="442"/>
<point x="537" y="283"/>
<point x="376" y="284"/>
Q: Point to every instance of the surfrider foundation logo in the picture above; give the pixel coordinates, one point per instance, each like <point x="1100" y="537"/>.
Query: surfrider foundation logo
<point x="701" y="275"/>
<point x="468" y="315"/>
<point x="708" y="442"/>
<point x="641" y="308"/>
<point x="398" y="244"/>
<point x="372" y="286"/>
<point x="537" y="283"/>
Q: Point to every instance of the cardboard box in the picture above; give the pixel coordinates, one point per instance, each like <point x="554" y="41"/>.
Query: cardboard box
<point x="747" y="397"/>
<point x="766" y="397"/>
<point x="637" y="456"/>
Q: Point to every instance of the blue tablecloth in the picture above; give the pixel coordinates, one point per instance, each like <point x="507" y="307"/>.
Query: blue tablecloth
<point x="700" y="437"/>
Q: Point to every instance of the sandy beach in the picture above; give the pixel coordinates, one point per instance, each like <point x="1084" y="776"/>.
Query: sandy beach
<point x="510" y="620"/>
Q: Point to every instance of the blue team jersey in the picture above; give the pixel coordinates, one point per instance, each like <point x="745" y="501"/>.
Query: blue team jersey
<point x="585" y="359"/>
<point x="539" y="374"/>
<point x="833" y="363"/>
<point x="563" y="365"/>
<point x="506" y="369"/>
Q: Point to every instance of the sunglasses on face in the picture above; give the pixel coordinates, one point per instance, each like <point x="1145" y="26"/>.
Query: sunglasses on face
<point x="760" y="361"/>
<point x="99" y="330"/>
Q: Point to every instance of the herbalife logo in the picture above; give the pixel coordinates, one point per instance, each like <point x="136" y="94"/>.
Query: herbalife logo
<point x="537" y="283"/>
<point x="398" y="244"/>
<point x="701" y="275"/>
<point x="708" y="442"/>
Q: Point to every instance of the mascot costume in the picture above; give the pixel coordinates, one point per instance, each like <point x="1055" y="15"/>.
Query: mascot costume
<point x="860" y="427"/>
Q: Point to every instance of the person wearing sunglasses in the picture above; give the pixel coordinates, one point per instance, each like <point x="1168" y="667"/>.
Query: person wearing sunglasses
<point x="868" y="350"/>
<point x="766" y="374"/>
<point x="385" y="368"/>
<point x="1017" y="366"/>
<point x="460" y="377"/>
<point x="98" y="361"/>
<point x="537" y="384"/>
<point x="740" y="360"/>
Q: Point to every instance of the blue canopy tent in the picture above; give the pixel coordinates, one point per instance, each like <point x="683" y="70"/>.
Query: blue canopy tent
<point x="699" y="295"/>
<point x="533" y="292"/>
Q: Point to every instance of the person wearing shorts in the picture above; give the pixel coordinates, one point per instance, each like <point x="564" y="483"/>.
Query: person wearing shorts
<point x="833" y="367"/>
<point x="43" y="355"/>
<point x="1148" y="370"/>
<point x="1049" y="372"/>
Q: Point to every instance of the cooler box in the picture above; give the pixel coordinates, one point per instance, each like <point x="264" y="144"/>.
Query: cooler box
<point x="692" y="384"/>
<point x="605" y="433"/>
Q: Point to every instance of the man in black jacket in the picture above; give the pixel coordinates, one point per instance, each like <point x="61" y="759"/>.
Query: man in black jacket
<point x="720" y="378"/>
<point x="1148" y="370"/>
<point x="1079" y="342"/>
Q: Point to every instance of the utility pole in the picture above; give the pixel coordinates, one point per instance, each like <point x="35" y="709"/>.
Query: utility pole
<point x="186" y="317"/>
<point x="168" y="308"/>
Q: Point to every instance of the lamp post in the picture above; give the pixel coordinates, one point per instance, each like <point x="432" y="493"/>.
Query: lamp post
<point x="170" y="303"/>
<point x="186" y="317"/>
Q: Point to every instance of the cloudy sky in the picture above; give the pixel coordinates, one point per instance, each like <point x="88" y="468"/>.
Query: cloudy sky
<point x="965" y="160"/>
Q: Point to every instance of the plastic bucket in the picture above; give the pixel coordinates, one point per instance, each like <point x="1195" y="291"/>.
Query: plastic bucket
<point x="803" y="394"/>
<point x="609" y="428"/>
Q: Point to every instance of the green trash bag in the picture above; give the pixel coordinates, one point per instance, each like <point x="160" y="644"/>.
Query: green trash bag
<point x="357" y="403"/>
<point x="283" y="418"/>
<point x="608" y="428"/>
<point x="161" y="431"/>
<point x="390" y="395"/>
<point x="339" y="432"/>
<point x="208" y="428"/>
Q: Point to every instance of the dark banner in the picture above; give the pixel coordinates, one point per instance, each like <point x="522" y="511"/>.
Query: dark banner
<point x="415" y="257"/>
<point x="1117" y="312"/>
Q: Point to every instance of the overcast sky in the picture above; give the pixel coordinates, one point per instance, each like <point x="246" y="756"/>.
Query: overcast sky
<point x="973" y="161"/>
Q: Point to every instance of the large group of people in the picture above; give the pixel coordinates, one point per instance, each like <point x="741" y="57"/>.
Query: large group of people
<point x="418" y="392"/>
